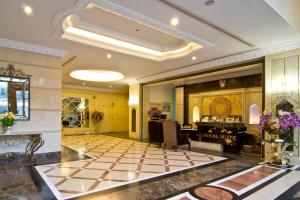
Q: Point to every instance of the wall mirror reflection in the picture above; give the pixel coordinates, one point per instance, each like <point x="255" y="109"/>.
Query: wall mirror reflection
<point x="75" y="112"/>
<point x="15" y="92"/>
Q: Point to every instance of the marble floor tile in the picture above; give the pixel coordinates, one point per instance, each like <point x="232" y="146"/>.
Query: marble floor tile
<point x="118" y="162"/>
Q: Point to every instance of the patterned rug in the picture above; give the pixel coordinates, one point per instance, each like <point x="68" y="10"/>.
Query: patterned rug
<point x="115" y="162"/>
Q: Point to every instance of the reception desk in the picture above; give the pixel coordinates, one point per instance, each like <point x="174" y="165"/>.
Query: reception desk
<point x="230" y="135"/>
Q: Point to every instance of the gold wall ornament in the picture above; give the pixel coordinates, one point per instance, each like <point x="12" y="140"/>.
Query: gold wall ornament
<point x="11" y="71"/>
<point x="220" y="107"/>
<point x="236" y="101"/>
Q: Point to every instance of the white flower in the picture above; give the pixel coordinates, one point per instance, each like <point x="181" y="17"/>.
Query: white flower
<point x="281" y="113"/>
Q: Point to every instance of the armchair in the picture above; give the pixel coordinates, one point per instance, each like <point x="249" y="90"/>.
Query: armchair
<point x="173" y="137"/>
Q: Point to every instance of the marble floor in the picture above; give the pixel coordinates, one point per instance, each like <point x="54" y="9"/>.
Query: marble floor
<point x="259" y="182"/>
<point x="238" y="172"/>
<point x="115" y="162"/>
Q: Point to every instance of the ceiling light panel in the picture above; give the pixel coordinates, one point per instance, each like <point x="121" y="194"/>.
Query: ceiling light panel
<point x="97" y="75"/>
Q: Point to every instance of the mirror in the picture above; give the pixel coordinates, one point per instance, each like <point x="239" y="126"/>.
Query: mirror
<point x="15" y="92"/>
<point x="75" y="112"/>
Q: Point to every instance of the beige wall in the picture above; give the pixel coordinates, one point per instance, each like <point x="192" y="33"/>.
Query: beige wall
<point x="113" y="105"/>
<point x="282" y="77"/>
<point x="156" y="95"/>
<point x="45" y="99"/>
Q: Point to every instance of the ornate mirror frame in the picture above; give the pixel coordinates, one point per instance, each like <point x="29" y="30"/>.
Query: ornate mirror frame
<point x="11" y="72"/>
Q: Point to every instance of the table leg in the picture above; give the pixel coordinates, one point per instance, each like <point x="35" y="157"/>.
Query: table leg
<point x="34" y="144"/>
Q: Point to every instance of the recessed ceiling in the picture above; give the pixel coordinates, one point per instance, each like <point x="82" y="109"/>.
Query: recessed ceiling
<point x="225" y="28"/>
<point x="150" y="43"/>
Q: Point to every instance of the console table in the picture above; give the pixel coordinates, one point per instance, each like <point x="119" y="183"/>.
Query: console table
<point x="34" y="141"/>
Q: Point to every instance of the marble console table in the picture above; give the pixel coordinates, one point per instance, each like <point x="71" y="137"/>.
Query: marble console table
<point x="34" y="141"/>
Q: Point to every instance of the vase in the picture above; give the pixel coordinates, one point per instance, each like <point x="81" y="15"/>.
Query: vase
<point x="8" y="130"/>
<point x="2" y="129"/>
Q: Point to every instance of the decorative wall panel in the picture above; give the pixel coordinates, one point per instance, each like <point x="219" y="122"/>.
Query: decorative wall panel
<point x="282" y="83"/>
<point x="212" y="105"/>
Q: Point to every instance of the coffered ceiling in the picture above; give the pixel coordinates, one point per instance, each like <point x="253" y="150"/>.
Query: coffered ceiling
<point x="226" y="28"/>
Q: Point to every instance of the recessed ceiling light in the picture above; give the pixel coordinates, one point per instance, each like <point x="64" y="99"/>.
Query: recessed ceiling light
<point x="110" y="86"/>
<point x="109" y="56"/>
<point x="83" y="84"/>
<point x="97" y="75"/>
<point x="174" y="21"/>
<point x="209" y="2"/>
<point x="27" y="9"/>
<point x="194" y="58"/>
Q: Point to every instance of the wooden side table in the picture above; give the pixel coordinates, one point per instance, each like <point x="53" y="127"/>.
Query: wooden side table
<point x="34" y="141"/>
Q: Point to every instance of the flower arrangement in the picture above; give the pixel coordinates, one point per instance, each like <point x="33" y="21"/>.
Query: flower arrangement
<point x="154" y="113"/>
<point x="279" y="126"/>
<point x="7" y="119"/>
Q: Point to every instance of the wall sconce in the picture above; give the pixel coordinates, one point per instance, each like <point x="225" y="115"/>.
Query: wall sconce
<point x="133" y="101"/>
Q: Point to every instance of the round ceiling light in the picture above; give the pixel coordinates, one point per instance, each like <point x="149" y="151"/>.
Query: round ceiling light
<point x="97" y="75"/>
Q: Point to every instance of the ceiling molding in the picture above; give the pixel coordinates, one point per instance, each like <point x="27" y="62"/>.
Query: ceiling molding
<point x="23" y="46"/>
<point x="80" y="5"/>
<point x="190" y="14"/>
<point x="219" y="62"/>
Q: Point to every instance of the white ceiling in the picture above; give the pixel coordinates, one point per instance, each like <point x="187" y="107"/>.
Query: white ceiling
<point x="231" y="26"/>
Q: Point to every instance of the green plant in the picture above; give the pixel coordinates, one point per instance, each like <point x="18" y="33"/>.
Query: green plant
<point x="8" y="119"/>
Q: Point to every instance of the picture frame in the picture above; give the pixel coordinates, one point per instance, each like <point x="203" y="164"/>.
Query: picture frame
<point x="166" y="107"/>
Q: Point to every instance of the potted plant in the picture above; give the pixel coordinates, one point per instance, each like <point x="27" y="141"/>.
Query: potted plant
<point x="279" y="127"/>
<point x="154" y="113"/>
<point x="7" y="121"/>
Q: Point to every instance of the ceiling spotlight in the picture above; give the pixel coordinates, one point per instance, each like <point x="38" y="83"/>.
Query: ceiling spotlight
<point x="194" y="58"/>
<point x="109" y="56"/>
<point x="209" y="2"/>
<point x="174" y="21"/>
<point x="96" y="75"/>
<point x="83" y="84"/>
<point x="110" y="86"/>
<point x="28" y="10"/>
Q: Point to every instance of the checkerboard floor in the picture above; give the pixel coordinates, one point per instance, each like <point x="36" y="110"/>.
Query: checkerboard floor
<point x="114" y="162"/>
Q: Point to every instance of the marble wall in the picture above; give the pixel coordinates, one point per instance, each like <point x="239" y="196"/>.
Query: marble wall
<point x="45" y="100"/>
<point x="113" y="105"/>
<point x="282" y="81"/>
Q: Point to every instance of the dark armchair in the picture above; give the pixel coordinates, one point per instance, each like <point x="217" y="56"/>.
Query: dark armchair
<point x="155" y="130"/>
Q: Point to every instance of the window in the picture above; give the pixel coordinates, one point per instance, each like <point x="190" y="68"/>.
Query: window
<point x="254" y="114"/>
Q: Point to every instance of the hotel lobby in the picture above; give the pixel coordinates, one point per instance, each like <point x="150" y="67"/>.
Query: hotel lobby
<point x="149" y="99"/>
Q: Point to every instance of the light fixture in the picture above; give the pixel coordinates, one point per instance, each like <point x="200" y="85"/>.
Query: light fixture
<point x="109" y="56"/>
<point x="97" y="75"/>
<point x="174" y="21"/>
<point x="194" y="58"/>
<point x="110" y="86"/>
<point x="133" y="101"/>
<point x="83" y="84"/>
<point x="209" y="2"/>
<point x="27" y="9"/>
